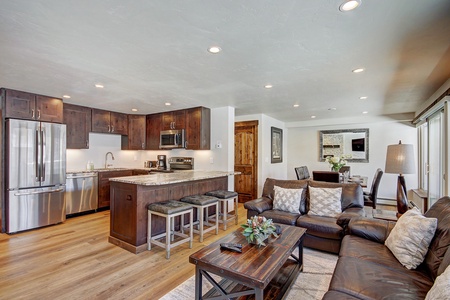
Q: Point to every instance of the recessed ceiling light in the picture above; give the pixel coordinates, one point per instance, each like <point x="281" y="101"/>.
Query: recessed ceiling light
<point x="66" y="96"/>
<point x="167" y="104"/>
<point x="134" y="109"/>
<point x="313" y="117"/>
<point x="359" y="70"/>
<point x="296" y="105"/>
<point x="214" y="49"/>
<point x="349" y="5"/>
<point x="268" y="86"/>
<point x="363" y="97"/>
<point x="365" y="112"/>
<point x="99" y="85"/>
<point x="332" y="108"/>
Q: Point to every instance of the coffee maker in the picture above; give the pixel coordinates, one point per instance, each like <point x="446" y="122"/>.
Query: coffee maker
<point x="161" y="163"/>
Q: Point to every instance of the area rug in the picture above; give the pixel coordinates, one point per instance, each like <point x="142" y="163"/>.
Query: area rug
<point x="311" y="284"/>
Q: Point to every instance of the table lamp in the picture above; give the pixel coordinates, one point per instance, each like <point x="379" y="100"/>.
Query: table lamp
<point x="400" y="160"/>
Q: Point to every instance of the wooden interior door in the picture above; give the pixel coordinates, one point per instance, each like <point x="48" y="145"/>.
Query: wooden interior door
<point x="246" y="159"/>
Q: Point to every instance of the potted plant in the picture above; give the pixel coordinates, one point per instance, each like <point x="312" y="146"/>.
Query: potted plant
<point x="258" y="229"/>
<point x="337" y="162"/>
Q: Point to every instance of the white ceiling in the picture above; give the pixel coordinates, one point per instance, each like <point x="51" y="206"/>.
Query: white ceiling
<point x="147" y="53"/>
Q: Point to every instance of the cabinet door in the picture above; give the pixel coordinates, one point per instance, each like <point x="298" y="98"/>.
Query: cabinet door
<point x="101" y="121"/>
<point x="20" y="105"/>
<point x="167" y="121"/>
<point x="119" y="123"/>
<point x="179" y="119"/>
<point x="136" y="133"/>
<point x="78" y="121"/>
<point x="104" y="185"/>
<point x="49" y="109"/>
<point x="153" y="129"/>
<point x="198" y="124"/>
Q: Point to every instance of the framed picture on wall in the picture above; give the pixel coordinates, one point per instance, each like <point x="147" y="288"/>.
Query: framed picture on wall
<point x="277" y="145"/>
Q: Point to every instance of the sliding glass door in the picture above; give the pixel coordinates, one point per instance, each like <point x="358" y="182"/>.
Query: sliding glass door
<point x="436" y="157"/>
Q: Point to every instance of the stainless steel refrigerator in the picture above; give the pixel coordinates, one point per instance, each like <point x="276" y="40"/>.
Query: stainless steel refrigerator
<point x="36" y="174"/>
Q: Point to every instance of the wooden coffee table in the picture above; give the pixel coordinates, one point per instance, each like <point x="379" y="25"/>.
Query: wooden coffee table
<point x="265" y="272"/>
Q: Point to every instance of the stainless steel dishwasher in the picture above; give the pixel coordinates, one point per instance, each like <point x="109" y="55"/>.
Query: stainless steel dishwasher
<point x="81" y="192"/>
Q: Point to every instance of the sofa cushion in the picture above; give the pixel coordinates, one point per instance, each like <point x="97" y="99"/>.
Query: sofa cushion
<point x="325" y="201"/>
<point x="352" y="193"/>
<point x="279" y="216"/>
<point x="287" y="184"/>
<point x="410" y="238"/>
<point x="366" y="250"/>
<point x="287" y="199"/>
<point x="370" y="280"/>
<point x="324" y="227"/>
<point x="441" y="241"/>
<point x="441" y="287"/>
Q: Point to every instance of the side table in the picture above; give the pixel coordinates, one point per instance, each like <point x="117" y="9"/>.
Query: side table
<point x="383" y="214"/>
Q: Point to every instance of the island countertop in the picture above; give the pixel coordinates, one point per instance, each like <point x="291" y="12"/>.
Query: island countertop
<point x="170" y="178"/>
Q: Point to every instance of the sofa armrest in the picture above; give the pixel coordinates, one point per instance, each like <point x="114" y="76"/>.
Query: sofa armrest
<point x="259" y="205"/>
<point x="348" y="214"/>
<point x="376" y="230"/>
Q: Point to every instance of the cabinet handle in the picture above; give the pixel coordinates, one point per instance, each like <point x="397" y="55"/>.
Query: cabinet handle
<point x="143" y="146"/>
<point x="185" y="144"/>
<point x="129" y="197"/>
<point x="109" y="128"/>
<point x="39" y="114"/>
<point x="87" y="143"/>
<point x="32" y="113"/>
<point x="112" y="128"/>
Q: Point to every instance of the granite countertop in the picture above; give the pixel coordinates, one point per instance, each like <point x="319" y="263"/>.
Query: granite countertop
<point x="111" y="169"/>
<point x="169" y="178"/>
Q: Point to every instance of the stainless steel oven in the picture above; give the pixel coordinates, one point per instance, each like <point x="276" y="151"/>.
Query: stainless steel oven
<point x="170" y="139"/>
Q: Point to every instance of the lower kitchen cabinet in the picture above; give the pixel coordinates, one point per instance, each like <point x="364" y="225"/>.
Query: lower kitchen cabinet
<point x="104" y="185"/>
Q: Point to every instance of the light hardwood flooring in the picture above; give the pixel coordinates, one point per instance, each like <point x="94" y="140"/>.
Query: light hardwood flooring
<point x="74" y="260"/>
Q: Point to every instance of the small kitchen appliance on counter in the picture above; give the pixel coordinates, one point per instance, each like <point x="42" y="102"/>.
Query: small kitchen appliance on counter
<point x="162" y="162"/>
<point x="181" y="163"/>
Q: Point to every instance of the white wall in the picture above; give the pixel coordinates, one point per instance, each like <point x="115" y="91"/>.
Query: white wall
<point x="303" y="150"/>
<point x="218" y="159"/>
<point x="265" y="167"/>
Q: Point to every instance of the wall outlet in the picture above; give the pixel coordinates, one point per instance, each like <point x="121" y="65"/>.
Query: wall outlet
<point x="211" y="160"/>
<point x="219" y="144"/>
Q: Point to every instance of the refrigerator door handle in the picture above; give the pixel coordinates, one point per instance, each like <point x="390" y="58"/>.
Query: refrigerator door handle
<point x="43" y="155"/>
<point x="36" y="156"/>
<point x="39" y="192"/>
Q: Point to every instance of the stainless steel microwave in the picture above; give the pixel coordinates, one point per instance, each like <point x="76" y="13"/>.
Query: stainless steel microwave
<point x="170" y="139"/>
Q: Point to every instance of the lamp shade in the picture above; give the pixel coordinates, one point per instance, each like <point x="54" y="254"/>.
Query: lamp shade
<point x="400" y="159"/>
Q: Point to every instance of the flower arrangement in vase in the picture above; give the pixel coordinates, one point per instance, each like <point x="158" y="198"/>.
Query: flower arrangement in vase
<point x="258" y="229"/>
<point x="337" y="162"/>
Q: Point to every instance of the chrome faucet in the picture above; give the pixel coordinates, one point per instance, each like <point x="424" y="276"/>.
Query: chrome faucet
<point x="106" y="160"/>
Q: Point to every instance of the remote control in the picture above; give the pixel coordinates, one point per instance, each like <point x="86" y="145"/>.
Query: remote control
<point x="235" y="249"/>
<point x="231" y="245"/>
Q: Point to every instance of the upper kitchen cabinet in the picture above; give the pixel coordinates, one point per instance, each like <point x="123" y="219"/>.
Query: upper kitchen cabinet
<point x="136" y="133"/>
<point x="23" y="105"/>
<point x="104" y="121"/>
<point x="174" y="119"/>
<point x="153" y="128"/>
<point x="198" y="128"/>
<point x="78" y="121"/>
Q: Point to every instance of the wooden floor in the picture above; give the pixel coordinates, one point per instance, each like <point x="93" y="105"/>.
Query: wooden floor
<point x="74" y="260"/>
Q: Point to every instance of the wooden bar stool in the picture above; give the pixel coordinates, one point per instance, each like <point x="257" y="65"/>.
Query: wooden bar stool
<point x="169" y="210"/>
<point x="202" y="204"/>
<point x="224" y="197"/>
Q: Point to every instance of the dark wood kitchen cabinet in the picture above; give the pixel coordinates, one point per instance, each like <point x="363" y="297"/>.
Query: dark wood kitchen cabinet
<point x="104" y="185"/>
<point x="78" y="121"/>
<point x="198" y="128"/>
<point x="135" y="140"/>
<point x="28" y="106"/>
<point x="153" y="130"/>
<point x="104" y="121"/>
<point x="174" y="119"/>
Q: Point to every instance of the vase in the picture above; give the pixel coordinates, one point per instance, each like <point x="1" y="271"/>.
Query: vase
<point x="254" y="242"/>
<point x="335" y="169"/>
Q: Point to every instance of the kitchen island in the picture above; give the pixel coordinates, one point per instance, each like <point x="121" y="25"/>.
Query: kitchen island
<point x="131" y="195"/>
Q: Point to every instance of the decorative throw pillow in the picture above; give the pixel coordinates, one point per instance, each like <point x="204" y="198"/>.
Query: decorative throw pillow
<point x="441" y="287"/>
<point x="325" y="201"/>
<point x="410" y="238"/>
<point x="287" y="199"/>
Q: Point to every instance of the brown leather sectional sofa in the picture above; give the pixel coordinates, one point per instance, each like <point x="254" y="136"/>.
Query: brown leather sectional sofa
<point x="366" y="269"/>
<point x="323" y="233"/>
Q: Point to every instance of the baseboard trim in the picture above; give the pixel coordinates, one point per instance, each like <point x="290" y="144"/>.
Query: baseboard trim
<point x="390" y="202"/>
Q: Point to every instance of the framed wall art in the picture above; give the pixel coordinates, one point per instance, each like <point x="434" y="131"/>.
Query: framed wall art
<point x="277" y="145"/>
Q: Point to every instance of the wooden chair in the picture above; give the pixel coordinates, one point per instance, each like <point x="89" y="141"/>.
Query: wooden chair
<point x="328" y="176"/>
<point x="302" y="172"/>
<point x="370" y="198"/>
